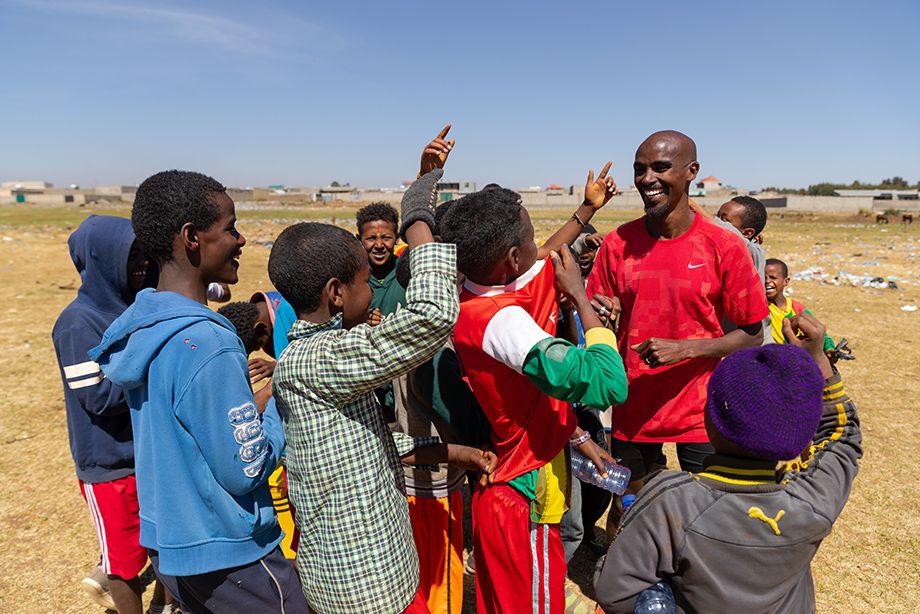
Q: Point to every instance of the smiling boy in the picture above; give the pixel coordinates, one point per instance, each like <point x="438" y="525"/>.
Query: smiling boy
<point x="203" y="452"/>
<point x="378" y="228"/>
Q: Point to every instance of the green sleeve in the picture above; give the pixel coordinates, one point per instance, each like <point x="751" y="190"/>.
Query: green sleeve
<point x="829" y="344"/>
<point x="593" y="376"/>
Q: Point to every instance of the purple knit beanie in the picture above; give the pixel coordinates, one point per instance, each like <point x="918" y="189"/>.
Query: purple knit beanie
<point x="767" y="400"/>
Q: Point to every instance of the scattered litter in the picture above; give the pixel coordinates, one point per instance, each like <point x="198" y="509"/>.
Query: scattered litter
<point x="909" y="308"/>
<point x="857" y="310"/>
<point x="871" y="263"/>
<point x="7" y="238"/>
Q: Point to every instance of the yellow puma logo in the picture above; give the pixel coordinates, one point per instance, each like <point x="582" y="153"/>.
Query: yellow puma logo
<point x="757" y="513"/>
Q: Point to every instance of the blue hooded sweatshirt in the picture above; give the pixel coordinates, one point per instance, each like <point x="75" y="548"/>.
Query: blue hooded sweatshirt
<point x="203" y="452"/>
<point x="98" y="422"/>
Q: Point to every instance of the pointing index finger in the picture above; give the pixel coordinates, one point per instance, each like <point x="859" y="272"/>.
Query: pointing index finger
<point x="606" y="168"/>
<point x="444" y="131"/>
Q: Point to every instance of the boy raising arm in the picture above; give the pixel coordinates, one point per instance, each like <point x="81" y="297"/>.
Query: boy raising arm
<point x="346" y="479"/>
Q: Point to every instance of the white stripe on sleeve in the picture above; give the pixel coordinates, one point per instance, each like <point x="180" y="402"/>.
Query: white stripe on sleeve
<point x="510" y="335"/>
<point x="79" y="370"/>
<point x="83" y="383"/>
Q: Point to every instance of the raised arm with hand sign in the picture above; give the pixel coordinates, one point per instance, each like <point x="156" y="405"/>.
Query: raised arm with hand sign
<point x="597" y="193"/>
<point x="418" y="203"/>
<point x="436" y="152"/>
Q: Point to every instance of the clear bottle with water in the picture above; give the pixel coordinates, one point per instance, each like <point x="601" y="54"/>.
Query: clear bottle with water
<point x="657" y="599"/>
<point x="617" y="475"/>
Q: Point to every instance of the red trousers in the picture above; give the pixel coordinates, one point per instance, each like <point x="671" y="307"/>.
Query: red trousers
<point x="520" y="564"/>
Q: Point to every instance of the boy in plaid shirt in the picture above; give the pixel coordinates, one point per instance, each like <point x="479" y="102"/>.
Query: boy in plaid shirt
<point x="356" y="552"/>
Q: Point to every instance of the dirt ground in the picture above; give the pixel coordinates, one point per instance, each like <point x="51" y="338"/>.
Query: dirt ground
<point x="868" y="564"/>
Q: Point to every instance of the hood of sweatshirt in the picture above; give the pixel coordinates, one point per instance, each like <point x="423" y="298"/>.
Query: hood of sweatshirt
<point x="99" y="250"/>
<point x="136" y="337"/>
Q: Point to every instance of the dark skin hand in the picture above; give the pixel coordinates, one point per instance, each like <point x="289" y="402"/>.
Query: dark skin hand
<point x="570" y="285"/>
<point x="657" y="352"/>
<point x="262" y="395"/>
<point x="259" y="369"/>
<point x="594" y="453"/>
<point x="374" y="317"/>
<point x="435" y="153"/>
<point x="598" y="193"/>
<point x="807" y="332"/>
<point x="465" y="457"/>
<point x="608" y="309"/>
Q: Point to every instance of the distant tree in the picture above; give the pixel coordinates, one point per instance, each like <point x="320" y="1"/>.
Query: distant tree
<point x="823" y="189"/>
<point x="894" y="183"/>
<point x="334" y="184"/>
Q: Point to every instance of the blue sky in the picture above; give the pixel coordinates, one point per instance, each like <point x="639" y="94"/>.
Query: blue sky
<point x="254" y="93"/>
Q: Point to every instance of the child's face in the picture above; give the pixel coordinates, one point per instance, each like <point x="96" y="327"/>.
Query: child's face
<point x="733" y="213"/>
<point x="356" y="298"/>
<point x="586" y="261"/>
<point x="221" y="245"/>
<point x="774" y="282"/>
<point x="379" y="239"/>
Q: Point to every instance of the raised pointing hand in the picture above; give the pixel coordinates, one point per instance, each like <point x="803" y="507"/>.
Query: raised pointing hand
<point x="435" y="153"/>
<point x="599" y="191"/>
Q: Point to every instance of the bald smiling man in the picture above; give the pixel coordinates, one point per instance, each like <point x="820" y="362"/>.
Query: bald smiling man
<point x="672" y="275"/>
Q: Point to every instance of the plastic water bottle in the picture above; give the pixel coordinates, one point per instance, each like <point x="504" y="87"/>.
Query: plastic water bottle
<point x="584" y="470"/>
<point x="657" y="599"/>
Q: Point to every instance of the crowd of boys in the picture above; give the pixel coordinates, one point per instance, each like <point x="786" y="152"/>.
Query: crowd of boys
<point x="474" y="357"/>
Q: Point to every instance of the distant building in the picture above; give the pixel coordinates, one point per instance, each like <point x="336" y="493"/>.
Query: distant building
<point x="26" y="186"/>
<point x="709" y="184"/>
<point x="449" y="190"/>
<point x="880" y="194"/>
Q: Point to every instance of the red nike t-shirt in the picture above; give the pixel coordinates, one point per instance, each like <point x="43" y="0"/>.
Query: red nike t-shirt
<point x="673" y="289"/>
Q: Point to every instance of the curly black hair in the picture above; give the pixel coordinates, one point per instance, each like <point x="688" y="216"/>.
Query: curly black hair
<point x="755" y="214"/>
<point x="777" y="262"/>
<point x="243" y="316"/>
<point x="307" y="255"/>
<point x="483" y="225"/>
<point x="439" y="214"/>
<point x="378" y="211"/>
<point x="166" y="201"/>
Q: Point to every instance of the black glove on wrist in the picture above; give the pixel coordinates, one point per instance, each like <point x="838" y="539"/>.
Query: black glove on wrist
<point x="418" y="203"/>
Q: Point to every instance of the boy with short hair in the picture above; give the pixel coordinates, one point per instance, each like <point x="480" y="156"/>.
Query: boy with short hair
<point x="112" y="268"/>
<point x="203" y="451"/>
<point x="378" y="229"/>
<point x="345" y="467"/>
<point x="525" y="378"/>
<point x="776" y="275"/>
<point x="740" y="536"/>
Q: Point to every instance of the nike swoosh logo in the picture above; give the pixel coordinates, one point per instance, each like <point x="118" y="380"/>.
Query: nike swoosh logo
<point x="695" y="266"/>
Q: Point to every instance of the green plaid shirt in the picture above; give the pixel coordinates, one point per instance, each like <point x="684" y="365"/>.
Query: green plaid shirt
<point x="345" y="478"/>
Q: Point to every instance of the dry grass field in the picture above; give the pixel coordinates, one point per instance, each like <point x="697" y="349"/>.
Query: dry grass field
<point x="868" y="564"/>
